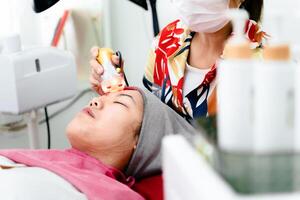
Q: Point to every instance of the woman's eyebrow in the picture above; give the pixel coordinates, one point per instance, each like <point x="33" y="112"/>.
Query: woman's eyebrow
<point x="129" y="96"/>
<point x="123" y="104"/>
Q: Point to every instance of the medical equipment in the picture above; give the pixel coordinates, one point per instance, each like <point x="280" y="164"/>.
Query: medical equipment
<point x="235" y="89"/>
<point x="112" y="79"/>
<point x="34" y="78"/>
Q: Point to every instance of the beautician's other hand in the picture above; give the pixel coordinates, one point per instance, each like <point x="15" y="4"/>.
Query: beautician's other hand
<point x="97" y="70"/>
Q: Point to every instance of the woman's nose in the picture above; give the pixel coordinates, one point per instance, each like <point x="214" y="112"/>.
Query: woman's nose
<point x="96" y="103"/>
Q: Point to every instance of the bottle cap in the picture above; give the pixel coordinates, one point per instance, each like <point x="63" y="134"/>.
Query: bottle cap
<point x="277" y="52"/>
<point x="238" y="51"/>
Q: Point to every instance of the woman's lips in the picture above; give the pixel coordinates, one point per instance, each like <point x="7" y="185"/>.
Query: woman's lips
<point x="89" y="112"/>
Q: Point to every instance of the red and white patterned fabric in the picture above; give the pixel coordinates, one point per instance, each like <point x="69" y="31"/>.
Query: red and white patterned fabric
<point x="165" y="70"/>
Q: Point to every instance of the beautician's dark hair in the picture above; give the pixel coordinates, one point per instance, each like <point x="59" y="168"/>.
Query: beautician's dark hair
<point x="254" y="8"/>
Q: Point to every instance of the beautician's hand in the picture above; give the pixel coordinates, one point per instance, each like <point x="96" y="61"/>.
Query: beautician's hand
<point x="97" y="70"/>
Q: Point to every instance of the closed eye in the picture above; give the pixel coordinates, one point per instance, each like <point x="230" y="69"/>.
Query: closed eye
<point x="117" y="102"/>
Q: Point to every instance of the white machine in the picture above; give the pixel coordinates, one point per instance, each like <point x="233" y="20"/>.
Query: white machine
<point x="34" y="78"/>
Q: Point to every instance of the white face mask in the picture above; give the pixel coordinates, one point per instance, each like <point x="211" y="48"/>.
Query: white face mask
<point x="207" y="16"/>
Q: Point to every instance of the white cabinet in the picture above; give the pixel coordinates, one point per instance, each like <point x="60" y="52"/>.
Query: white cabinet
<point x="187" y="176"/>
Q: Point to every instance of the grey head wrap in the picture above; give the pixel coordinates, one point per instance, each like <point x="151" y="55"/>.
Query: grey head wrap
<point x="159" y="120"/>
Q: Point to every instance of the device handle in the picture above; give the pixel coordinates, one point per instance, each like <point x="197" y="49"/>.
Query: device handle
<point x="119" y="54"/>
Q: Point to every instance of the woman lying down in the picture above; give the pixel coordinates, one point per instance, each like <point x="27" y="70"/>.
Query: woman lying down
<point x="115" y="138"/>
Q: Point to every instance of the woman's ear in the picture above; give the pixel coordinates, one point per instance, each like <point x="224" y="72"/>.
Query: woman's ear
<point x="136" y="139"/>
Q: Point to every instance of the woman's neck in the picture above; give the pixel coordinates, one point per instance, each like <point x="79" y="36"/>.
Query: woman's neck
<point x="206" y="48"/>
<point x="116" y="159"/>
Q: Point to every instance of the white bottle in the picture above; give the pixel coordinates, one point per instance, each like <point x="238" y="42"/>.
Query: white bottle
<point x="274" y="93"/>
<point x="297" y="109"/>
<point x="235" y="90"/>
<point x="295" y="45"/>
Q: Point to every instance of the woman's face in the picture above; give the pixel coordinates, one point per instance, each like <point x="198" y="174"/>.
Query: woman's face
<point x="108" y="123"/>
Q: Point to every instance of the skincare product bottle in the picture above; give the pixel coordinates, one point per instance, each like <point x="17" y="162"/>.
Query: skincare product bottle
<point x="235" y="89"/>
<point x="297" y="109"/>
<point x="274" y="93"/>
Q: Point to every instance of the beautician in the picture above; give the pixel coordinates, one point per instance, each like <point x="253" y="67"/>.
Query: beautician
<point x="182" y="63"/>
